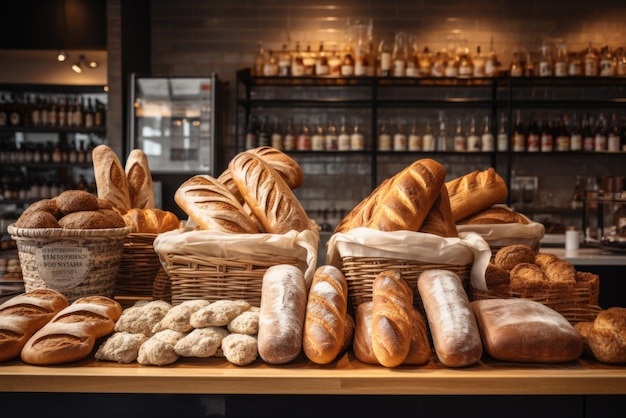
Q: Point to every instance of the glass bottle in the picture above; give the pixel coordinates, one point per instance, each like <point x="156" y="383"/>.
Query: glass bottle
<point x="259" y="61"/>
<point x="297" y="62"/>
<point x="591" y="62"/>
<point x="384" y="138"/>
<point x="547" y="136"/>
<point x="277" y="136"/>
<point x="588" y="133"/>
<point x="400" y="142"/>
<point x="384" y="59"/>
<point x="479" y="62"/>
<point x="613" y="138"/>
<point x="331" y="140"/>
<point x="487" y="140"/>
<point x="519" y="134"/>
<point x="308" y="59"/>
<point x="560" y="63"/>
<point x="491" y="61"/>
<point x="600" y="138"/>
<point x="321" y="62"/>
<point x="347" y="65"/>
<point x="284" y="62"/>
<point x="270" y="66"/>
<point x="576" y="136"/>
<point x="318" y="138"/>
<point x="412" y="63"/>
<point x="545" y="61"/>
<point x="343" y="140"/>
<point x="357" y="139"/>
<point x="575" y="65"/>
<point x="533" y="139"/>
<point x="428" y="140"/>
<point x="304" y="138"/>
<point x="425" y="63"/>
<point x="516" y="69"/>
<point x="607" y="63"/>
<point x="562" y="134"/>
<point x="415" y="140"/>
<point x="263" y="136"/>
<point x="442" y="141"/>
<point x="399" y="55"/>
<point x="473" y="139"/>
<point x="289" y="138"/>
<point x="503" y="136"/>
<point x="460" y="140"/>
<point x="250" y="139"/>
<point x="465" y="66"/>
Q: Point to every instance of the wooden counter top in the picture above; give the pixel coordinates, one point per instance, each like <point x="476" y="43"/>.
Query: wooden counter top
<point x="347" y="376"/>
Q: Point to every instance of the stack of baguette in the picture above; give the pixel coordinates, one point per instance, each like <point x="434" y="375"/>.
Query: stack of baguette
<point x="253" y="195"/>
<point x="130" y="190"/>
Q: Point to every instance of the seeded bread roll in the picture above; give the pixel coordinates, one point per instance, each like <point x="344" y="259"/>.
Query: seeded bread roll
<point x="325" y="317"/>
<point x="271" y="200"/>
<point x="475" y="192"/>
<point x="139" y="177"/>
<point x="23" y="315"/>
<point x="452" y="323"/>
<point x="111" y="180"/>
<point x="212" y="206"/>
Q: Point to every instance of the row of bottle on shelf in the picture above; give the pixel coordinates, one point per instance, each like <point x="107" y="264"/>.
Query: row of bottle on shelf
<point x="403" y="58"/>
<point x="15" y="186"/>
<point x="533" y="133"/>
<point x="50" y="110"/>
<point x="63" y="151"/>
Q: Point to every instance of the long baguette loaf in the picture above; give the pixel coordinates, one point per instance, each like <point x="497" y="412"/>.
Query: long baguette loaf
<point x="139" y="177"/>
<point x="453" y="327"/>
<point x="23" y="315"/>
<point x="325" y="319"/>
<point x="111" y="180"/>
<point x="271" y="200"/>
<point x="212" y="206"/>
<point x="287" y="167"/>
<point x="72" y="333"/>
<point x="439" y="220"/>
<point x="281" y="314"/>
<point x="474" y="192"/>
<point x="392" y="301"/>
<point x="403" y="202"/>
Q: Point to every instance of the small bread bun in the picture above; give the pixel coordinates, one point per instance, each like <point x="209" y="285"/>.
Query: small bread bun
<point x="76" y="200"/>
<point x="512" y="255"/>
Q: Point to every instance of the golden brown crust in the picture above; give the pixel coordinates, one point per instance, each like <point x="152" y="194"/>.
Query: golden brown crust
<point x="420" y="351"/>
<point x="527" y="276"/>
<point x="555" y="268"/>
<point x="150" y="221"/>
<point x="439" y="219"/>
<point x="37" y="219"/>
<point x="475" y="191"/>
<point x="287" y="167"/>
<point x="76" y="200"/>
<point x="496" y="276"/>
<point x="114" y="219"/>
<point x="494" y="215"/>
<point x="584" y="329"/>
<point x="362" y="212"/>
<point x="512" y="255"/>
<point x="104" y="204"/>
<point x="111" y="180"/>
<point x="607" y="337"/>
<point x="139" y="178"/>
<point x="362" y="342"/>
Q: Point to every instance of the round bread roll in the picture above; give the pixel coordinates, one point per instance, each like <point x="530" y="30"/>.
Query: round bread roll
<point x="44" y="205"/>
<point x="512" y="255"/>
<point x="37" y="219"/>
<point x="76" y="200"/>
<point x="606" y="337"/>
<point x="91" y="220"/>
<point x="527" y="276"/>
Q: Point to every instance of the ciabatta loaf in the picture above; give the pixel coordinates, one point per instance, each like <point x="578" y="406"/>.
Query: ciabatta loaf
<point x="475" y="192"/>
<point x="139" y="177"/>
<point x="23" y="315"/>
<point x="212" y="206"/>
<point x="111" y="180"/>
<point x="325" y="319"/>
<point x="452" y="323"/>
<point x="271" y="200"/>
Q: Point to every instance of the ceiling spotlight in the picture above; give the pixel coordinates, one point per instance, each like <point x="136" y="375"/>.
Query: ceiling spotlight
<point x="93" y="64"/>
<point x="77" y="67"/>
<point x="62" y="56"/>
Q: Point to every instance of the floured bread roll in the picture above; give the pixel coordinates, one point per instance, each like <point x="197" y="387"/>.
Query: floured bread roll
<point x="240" y="349"/>
<point x="201" y="342"/>
<point x="122" y="347"/>
<point x="154" y="352"/>
<point x="245" y="323"/>
<point x="218" y="313"/>
<point x="141" y="318"/>
<point x="178" y="318"/>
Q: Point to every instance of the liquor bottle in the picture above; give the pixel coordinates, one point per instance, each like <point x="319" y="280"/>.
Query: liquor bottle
<point x="607" y="62"/>
<point x="620" y="66"/>
<point x="318" y="138"/>
<point x="82" y="153"/>
<point x="284" y="62"/>
<point x="251" y="140"/>
<point x="600" y="138"/>
<point x="361" y="60"/>
<point x="613" y="141"/>
<point x="308" y="60"/>
<point x="576" y="135"/>
<point x="428" y="140"/>
<point x="578" y="194"/>
<point x="545" y="61"/>
<point x="460" y="140"/>
<point x="560" y="63"/>
<point x="89" y="116"/>
<point x="62" y="113"/>
<point x="465" y="66"/>
<point x="334" y="64"/>
<point x="78" y="113"/>
<point x="101" y="113"/>
<point x="517" y="68"/>
<point x="384" y="137"/>
<point x="575" y="65"/>
<point x="533" y="139"/>
<point x="343" y="140"/>
<point x="400" y="140"/>
<point x="263" y="136"/>
<point x="425" y="63"/>
<point x="479" y="62"/>
<point x="289" y="139"/>
<point x="347" y="65"/>
<point x="304" y="138"/>
<point x="487" y="140"/>
<point x="35" y="111"/>
<point x="297" y="63"/>
<point x="270" y="66"/>
<point x="415" y="140"/>
<point x="438" y="67"/>
<point x="357" y="139"/>
<point x="442" y="141"/>
<point x="384" y="59"/>
<point x="473" y="139"/>
<point x="503" y="137"/>
<point x="277" y="136"/>
<point x="399" y="55"/>
<point x="331" y="140"/>
<point x="547" y="136"/>
<point x="52" y="113"/>
<point x="259" y="60"/>
<point x="591" y="62"/>
<point x="491" y="61"/>
<point x="15" y="112"/>
<point x="588" y="133"/>
<point x="563" y="136"/>
<point x="519" y="134"/>
<point x="321" y="62"/>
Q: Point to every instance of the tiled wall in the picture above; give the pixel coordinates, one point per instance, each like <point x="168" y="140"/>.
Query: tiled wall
<point x="196" y="37"/>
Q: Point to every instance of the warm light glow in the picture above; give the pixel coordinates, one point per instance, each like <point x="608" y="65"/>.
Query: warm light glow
<point x="93" y="64"/>
<point x="77" y="68"/>
<point x="62" y="56"/>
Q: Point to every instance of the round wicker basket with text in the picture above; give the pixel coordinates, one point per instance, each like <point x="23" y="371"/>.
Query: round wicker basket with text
<point x="74" y="262"/>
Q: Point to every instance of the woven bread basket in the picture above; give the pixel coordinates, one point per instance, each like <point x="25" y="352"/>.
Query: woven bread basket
<point x="139" y="267"/>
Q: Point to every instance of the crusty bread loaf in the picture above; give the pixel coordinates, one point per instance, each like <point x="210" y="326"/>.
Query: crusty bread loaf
<point x="348" y="333"/>
<point x="362" y="341"/>
<point x="402" y="203"/>
<point x="151" y="221"/>
<point x="523" y="330"/>
<point x="23" y="315"/>
<point x="420" y="351"/>
<point x="475" y="192"/>
<point x="281" y="318"/>
<point x="287" y="167"/>
<point x="606" y="336"/>
<point x="72" y="333"/>
<point x="325" y="318"/>
<point x="439" y="219"/>
<point x="452" y="323"/>
<point x="111" y="180"/>
<point x="271" y="200"/>
<point x="212" y="206"/>
<point x="392" y="301"/>
<point x="495" y="215"/>
<point x="555" y="268"/>
<point x="139" y="178"/>
<point x="509" y="256"/>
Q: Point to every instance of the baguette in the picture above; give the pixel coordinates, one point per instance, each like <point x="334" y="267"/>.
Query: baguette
<point x="139" y="178"/>
<point x="325" y="318"/>
<point x="271" y="200"/>
<point x="111" y="180"/>
<point x="475" y="192"/>
<point x="151" y="221"/>
<point x="392" y="301"/>
<point x="287" y="167"/>
<point x="72" y="333"/>
<point x="281" y="315"/>
<point x="439" y="219"/>
<point x="212" y="206"/>
<point x="452" y="323"/>
<point x="23" y="315"/>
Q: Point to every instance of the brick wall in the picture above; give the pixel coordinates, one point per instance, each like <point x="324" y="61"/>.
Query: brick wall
<point x="196" y="37"/>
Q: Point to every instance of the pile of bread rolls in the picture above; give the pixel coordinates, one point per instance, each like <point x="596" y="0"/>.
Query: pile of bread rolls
<point x="253" y="195"/>
<point x="130" y="190"/>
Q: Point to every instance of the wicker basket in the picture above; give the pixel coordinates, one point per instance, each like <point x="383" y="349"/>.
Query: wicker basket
<point x="360" y="273"/>
<point x="139" y="267"/>
<point x="576" y="303"/>
<point x="75" y="262"/>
